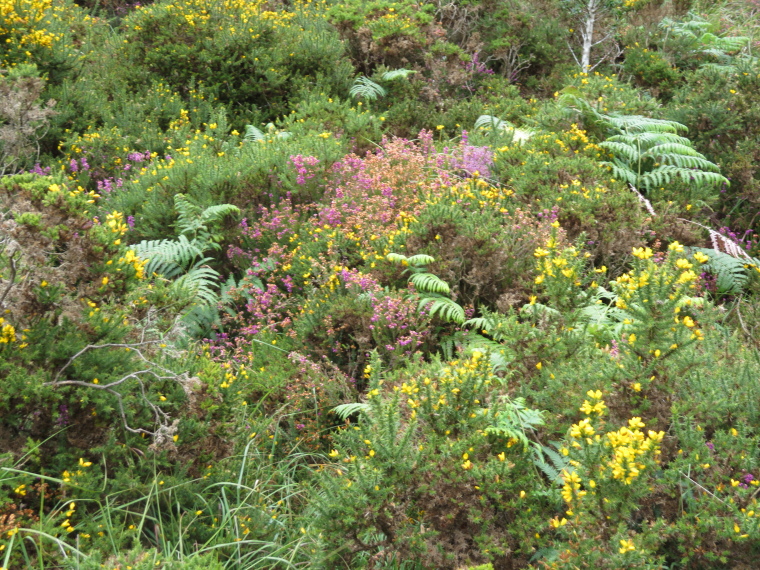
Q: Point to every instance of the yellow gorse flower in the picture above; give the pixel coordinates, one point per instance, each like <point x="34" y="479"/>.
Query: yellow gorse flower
<point x="642" y="253"/>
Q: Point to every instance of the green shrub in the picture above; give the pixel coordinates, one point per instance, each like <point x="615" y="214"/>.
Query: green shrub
<point x="256" y="61"/>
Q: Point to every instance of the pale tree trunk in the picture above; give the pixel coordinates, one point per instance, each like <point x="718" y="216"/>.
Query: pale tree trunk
<point x="587" y="33"/>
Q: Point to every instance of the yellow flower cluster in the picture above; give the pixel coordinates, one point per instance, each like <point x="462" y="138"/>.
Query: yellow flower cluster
<point x="628" y="444"/>
<point x="234" y="16"/>
<point x="115" y="222"/>
<point x="25" y="25"/>
<point x="66" y="524"/>
<point x="675" y="276"/>
<point x="571" y="489"/>
<point x="557" y="267"/>
<point x="138" y="264"/>
<point x="7" y="332"/>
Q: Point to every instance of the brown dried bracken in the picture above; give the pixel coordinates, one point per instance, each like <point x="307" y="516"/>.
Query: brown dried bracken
<point x="23" y="122"/>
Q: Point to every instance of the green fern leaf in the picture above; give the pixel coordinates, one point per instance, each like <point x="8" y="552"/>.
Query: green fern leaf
<point x="419" y="260"/>
<point x="397" y="74"/>
<point x="629" y="151"/>
<point x="214" y="214"/>
<point x="396" y="257"/>
<point x="444" y="307"/>
<point x="200" y="282"/>
<point x="730" y="272"/>
<point x="252" y="134"/>
<point x="429" y="283"/>
<point x="344" y="411"/>
<point x="554" y="467"/>
<point x="367" y="89"/>
<point x="497" y="124"/>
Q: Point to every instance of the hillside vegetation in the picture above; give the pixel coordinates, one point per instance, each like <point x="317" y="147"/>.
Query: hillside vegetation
<point x="379" y="284"/>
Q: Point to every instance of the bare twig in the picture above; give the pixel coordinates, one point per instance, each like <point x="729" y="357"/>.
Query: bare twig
<point x="11" y="280"/>
<point x="701" y="487"/>
<point x="642" y="199"/>
<point x="110" y="345"/>
<point x="154" y="370"/>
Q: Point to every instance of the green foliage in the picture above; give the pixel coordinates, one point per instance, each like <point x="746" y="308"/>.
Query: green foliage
<point x="651" y="70"/>
<point x="366" y="89"/>
<point x="696" y="41"/>
<point x="425" y="436"/>
<point x="431" y="288"/>
<point x="648" y="153"/>
<point x="531" y="379"/>
<point x="182" y="259"/>
<point x="733" y="273"/>
<point x="253" y="60"/>
<point x="720" y="110"/>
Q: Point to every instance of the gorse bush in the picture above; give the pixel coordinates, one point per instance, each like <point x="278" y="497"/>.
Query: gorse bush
<point x="253" y="59"/>
<point x="429" y="436"/>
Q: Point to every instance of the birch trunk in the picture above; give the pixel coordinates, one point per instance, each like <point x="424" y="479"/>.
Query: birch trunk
<point x="587" y="33"/>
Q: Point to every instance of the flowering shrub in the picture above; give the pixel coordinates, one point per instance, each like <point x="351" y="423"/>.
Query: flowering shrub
<point x="607" y="476"/>
<point x="560" y="170"/>
<point x="36" y="31"/>
<point x="421" y="457"/>
<point x="258" y="58"/>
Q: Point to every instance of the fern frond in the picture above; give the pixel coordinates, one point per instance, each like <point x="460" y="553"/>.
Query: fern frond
<point x="668" y="148"/>
<point x="396" y="257"/>
<point x="201" y="282"/>
<point x="365" y="88"/>
<point x="539" y="309"/>
<point x="444" y="307"/>
<point x="731" y="272"/>
<point x="168" y="257"/>
<point x="723" y="45"/>
<point x="497" y="124"/>
<point x="625" y="149"/>
<point x="664" y="174"/>
<point x="397" y="74"/>
<point x="429" y="283"/>
<point x="253" y="134"/>
<point x="554" y="467"/>
<point x="188" y="214"/>
<point x="721" y="68"/>
<point x="621" y="172"/>
<point x="647" y="139"/>
<point x="639" y="124"/>
<point x="479" y="323"/>
<point x="344" y="411"/>
<point x="485" y="121"/>
<point x="419" y="259"/>
<point x="217" y="213"/>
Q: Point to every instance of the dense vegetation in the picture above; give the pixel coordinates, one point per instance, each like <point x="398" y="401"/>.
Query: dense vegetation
<point x="379" y="284"/>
